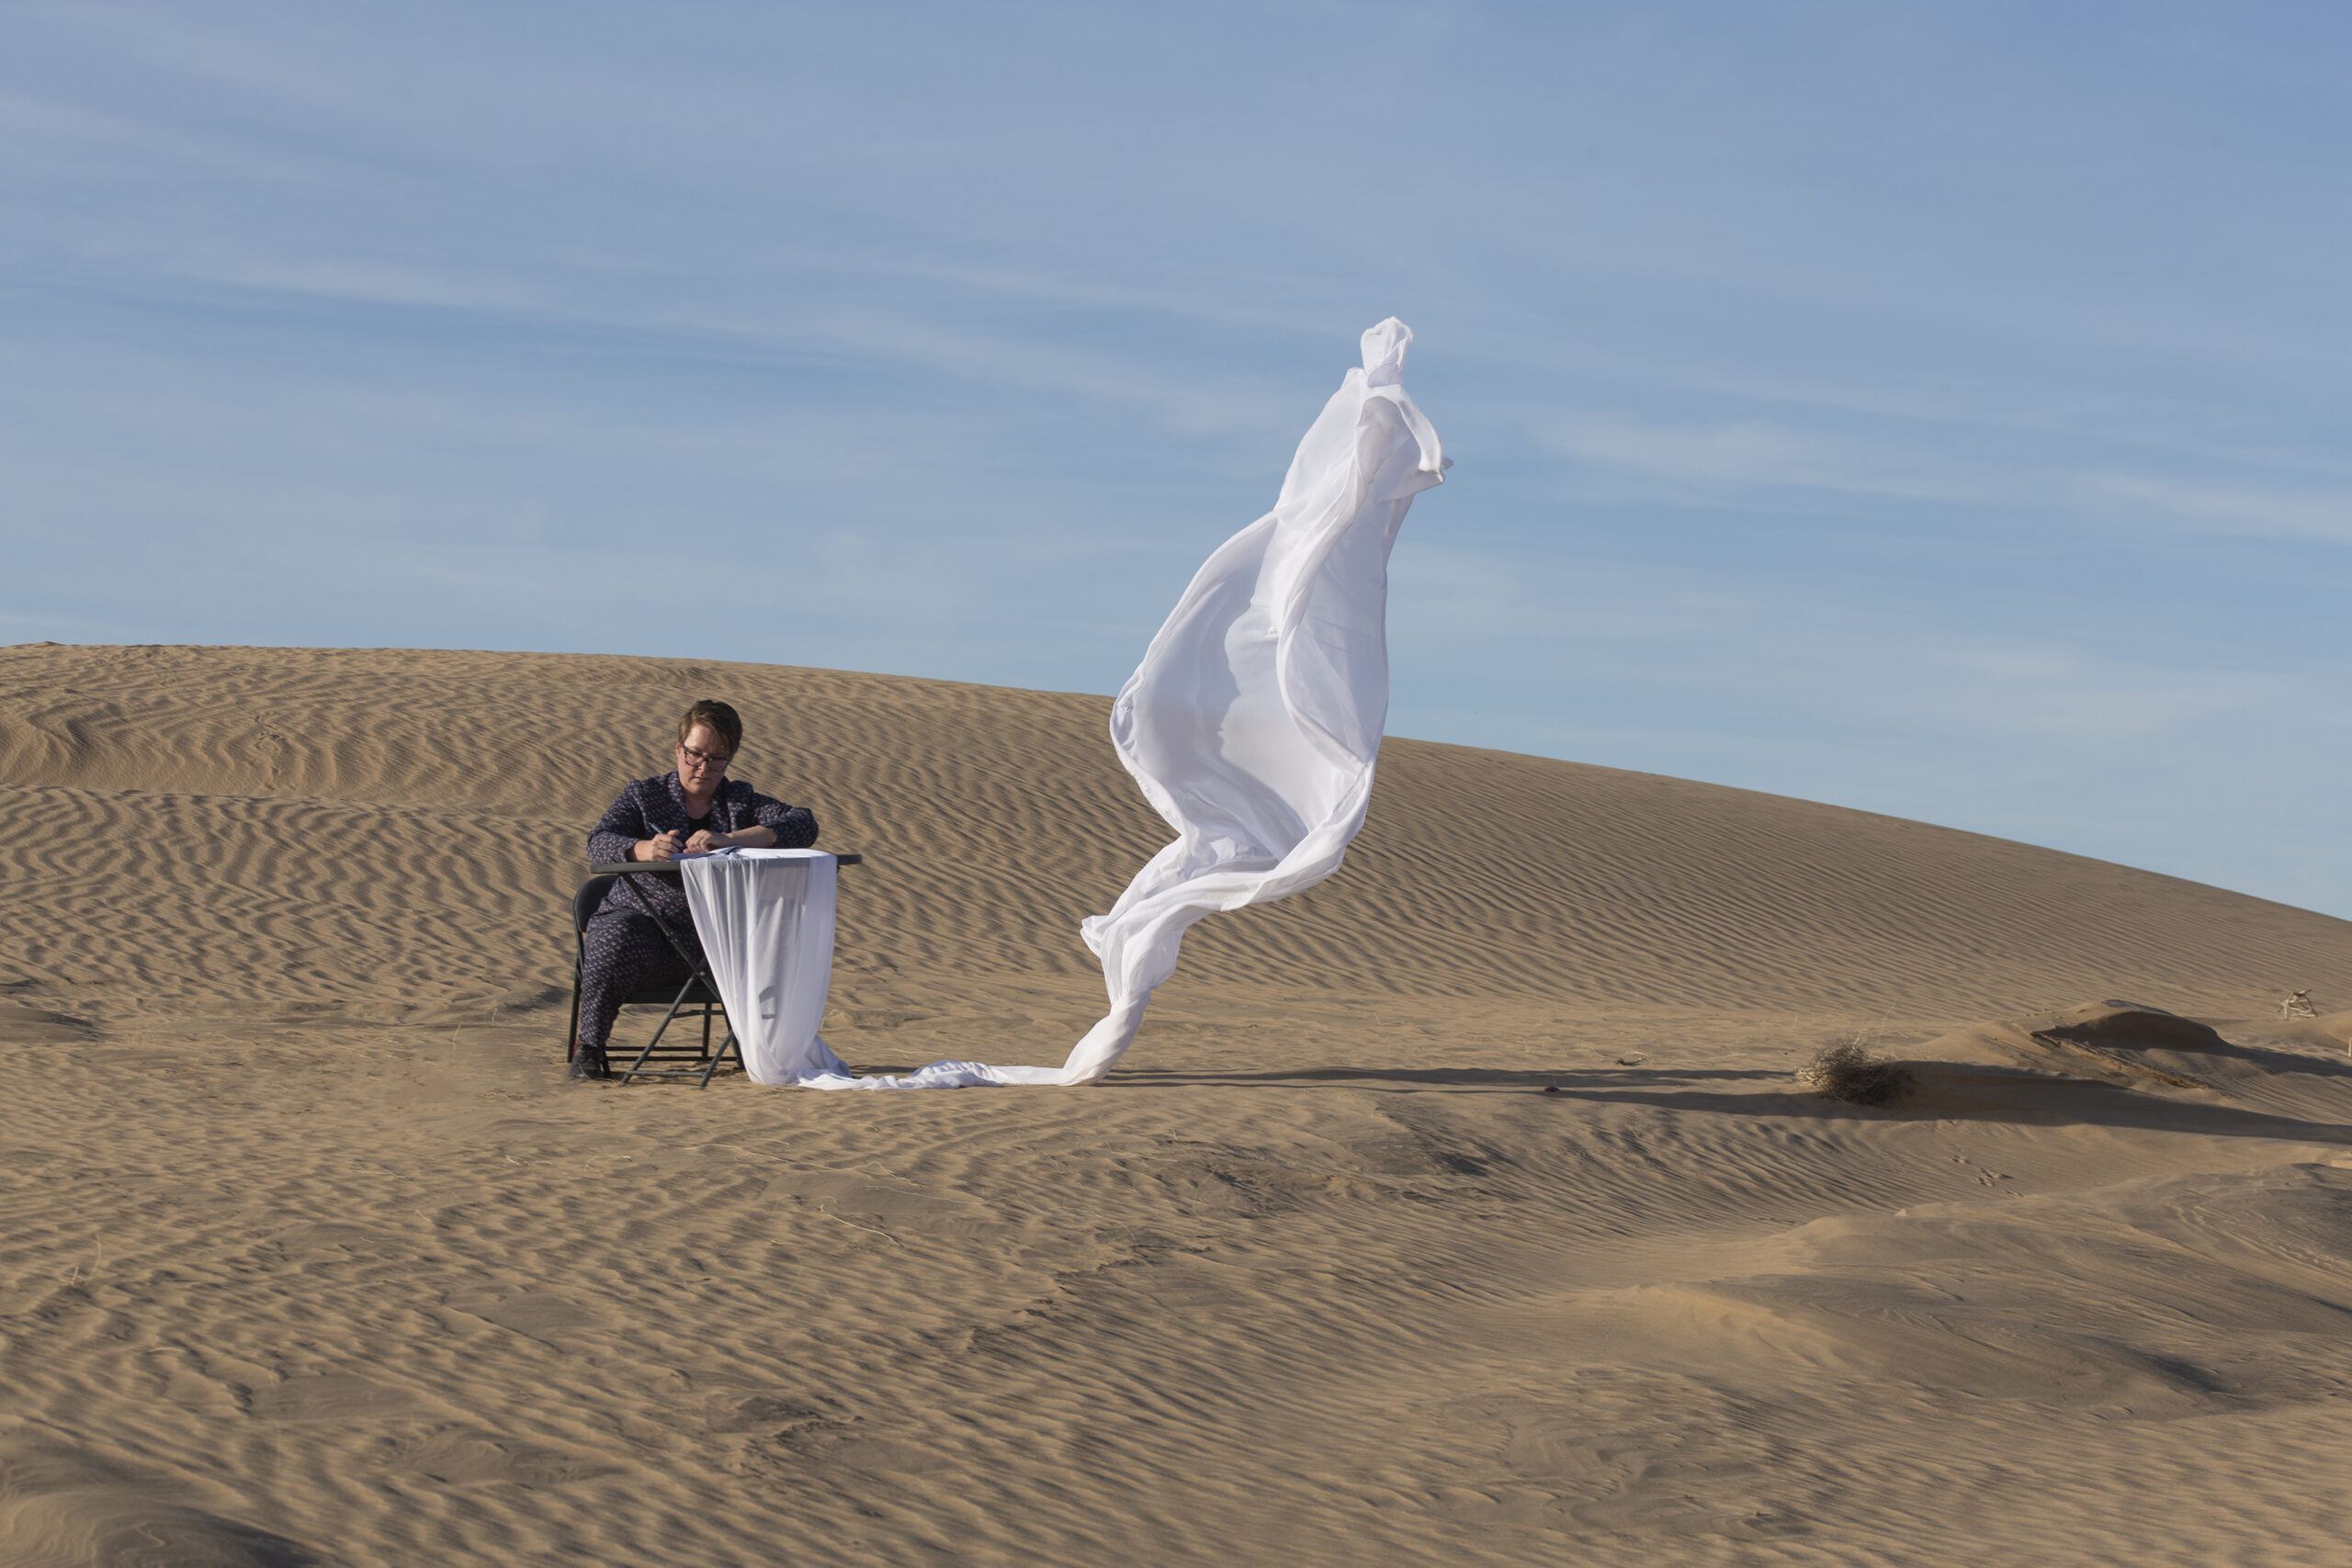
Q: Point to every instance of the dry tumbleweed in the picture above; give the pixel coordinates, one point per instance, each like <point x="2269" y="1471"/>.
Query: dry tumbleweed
<point x="1854" y="1075"/>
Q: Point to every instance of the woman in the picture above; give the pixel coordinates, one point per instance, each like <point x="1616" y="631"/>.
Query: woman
<point x="693" y="809"/>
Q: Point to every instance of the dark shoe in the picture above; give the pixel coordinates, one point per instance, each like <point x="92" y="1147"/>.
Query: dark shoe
<point x="589" y="1063"/>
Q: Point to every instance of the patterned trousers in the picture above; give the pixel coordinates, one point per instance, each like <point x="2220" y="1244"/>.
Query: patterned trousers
<point x="625" y="953"/>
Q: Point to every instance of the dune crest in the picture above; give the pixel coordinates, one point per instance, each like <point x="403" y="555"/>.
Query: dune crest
<point x="369" y="787"/>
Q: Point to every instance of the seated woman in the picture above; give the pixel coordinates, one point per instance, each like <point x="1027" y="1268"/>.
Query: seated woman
<point x="694" y="808"/>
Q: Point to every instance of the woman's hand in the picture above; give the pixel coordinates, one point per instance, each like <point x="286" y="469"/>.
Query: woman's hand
<point x="661" y="846"/>
<point x="703" y="842"/>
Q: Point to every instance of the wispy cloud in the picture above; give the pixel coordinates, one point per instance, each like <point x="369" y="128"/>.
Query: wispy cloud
<point x="2316" y="515"/>
<point x="1753" y="454"/>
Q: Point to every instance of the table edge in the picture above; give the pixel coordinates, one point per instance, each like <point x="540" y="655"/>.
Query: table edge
<point x="677" y="868"/>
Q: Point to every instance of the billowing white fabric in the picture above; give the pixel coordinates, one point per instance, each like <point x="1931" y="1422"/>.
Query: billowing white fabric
<point x="1255" y="718"/>
<point x="1253" y="722"/>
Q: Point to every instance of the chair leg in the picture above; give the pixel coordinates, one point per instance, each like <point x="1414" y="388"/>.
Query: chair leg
<point x="663" y="1027"/>
<point x="705" y="1031"/>
<point x="579" y="975"/>
<point x="731" y="1044"/>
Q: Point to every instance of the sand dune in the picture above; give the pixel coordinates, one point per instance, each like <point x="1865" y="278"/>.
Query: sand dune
<point x="1464" y="1209"/>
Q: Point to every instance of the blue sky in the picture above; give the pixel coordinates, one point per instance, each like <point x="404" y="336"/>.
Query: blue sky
<point x="1940" y="410"/>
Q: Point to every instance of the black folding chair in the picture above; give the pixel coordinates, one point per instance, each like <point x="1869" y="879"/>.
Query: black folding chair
<point x="696" y="994"/>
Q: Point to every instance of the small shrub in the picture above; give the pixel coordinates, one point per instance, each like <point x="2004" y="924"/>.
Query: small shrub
<point x="1858" y="1077"/>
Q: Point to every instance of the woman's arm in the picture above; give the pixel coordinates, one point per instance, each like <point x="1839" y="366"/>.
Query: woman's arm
<point x="793" y="827"/>
<point x="624" y="834"/>
<point x="755" y="836"/>
<point x="768" y="823"/>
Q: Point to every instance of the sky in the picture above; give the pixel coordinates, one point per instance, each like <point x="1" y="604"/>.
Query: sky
<point x="1940" y="410"/>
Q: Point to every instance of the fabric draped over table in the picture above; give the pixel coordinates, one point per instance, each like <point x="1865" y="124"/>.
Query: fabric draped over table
<point x="1253" y="725"/>
<point x="765" y="917"/>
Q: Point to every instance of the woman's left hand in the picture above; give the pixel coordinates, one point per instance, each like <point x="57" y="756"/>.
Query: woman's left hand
<point x="703" y="842"/>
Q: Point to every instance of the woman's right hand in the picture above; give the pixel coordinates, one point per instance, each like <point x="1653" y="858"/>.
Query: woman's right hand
<point x="663" y="846"/>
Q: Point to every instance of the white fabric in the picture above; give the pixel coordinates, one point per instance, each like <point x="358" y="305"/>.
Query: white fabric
<point x="1255" y="718"/>
<point x="765" y="917"/>
<point x="1252" y="724"/>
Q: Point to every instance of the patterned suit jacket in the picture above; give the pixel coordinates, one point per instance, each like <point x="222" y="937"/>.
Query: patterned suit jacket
<point x="648" y="807"/>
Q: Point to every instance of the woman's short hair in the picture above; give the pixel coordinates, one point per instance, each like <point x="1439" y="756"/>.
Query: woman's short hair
<point x="722" y="721"/>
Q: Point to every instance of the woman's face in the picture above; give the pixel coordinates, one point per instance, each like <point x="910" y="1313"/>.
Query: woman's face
<point x="702" y="759"/>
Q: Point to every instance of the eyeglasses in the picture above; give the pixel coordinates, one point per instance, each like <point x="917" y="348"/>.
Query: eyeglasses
<point x="704" y="759"/>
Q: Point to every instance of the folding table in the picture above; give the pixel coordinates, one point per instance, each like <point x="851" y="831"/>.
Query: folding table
<point x="628" y="873"/>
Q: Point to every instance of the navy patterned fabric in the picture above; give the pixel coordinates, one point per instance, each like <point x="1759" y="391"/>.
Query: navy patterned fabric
<point x="625" y="951"/>
<point x="625" y="954"/>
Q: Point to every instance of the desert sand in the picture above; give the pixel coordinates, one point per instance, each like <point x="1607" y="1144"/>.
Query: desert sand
<point x="1464" y="1210"/>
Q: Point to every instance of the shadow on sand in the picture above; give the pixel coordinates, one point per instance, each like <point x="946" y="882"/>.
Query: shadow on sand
<point x="1953" y="1092"/>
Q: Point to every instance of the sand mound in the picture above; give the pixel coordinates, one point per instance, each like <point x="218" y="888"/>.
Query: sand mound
<point x="63" y="1509"/>
<point x="2113" y="1042"/>
<point x="1464" y="1211"/>
<point x="2128" y="1026"/>
<point x="2125" y="1045"/>
<point x="33" y="1024"/>
<point x="1888" y="1299"/>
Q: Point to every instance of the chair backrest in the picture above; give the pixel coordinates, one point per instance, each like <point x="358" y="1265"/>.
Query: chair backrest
<point x="588" y="901"/>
